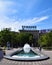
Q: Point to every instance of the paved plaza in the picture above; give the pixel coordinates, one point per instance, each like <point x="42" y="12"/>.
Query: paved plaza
<point x="10" y="62"/>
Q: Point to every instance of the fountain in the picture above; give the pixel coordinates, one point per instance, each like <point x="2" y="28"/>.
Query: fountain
<point x="26" y="54"/>
<point x="26" y="48"/>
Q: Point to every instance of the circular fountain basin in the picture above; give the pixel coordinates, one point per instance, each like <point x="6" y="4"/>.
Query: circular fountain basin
<point x="21" y="56"/>
<point x="26" y="54"/>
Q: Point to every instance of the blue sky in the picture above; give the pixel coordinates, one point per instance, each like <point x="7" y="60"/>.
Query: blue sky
<point x="15" y="13"/>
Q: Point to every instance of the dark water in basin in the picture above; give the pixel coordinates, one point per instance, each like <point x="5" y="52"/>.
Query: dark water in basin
<point x="30" y="54"/>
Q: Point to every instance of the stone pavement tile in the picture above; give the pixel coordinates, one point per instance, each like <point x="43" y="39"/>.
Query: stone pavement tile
<point x="45" y="62"/>
<point x="7" y="62"/>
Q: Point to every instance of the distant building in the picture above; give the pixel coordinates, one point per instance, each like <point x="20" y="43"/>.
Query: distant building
<point x="29" y="27"/>
<point x="33" y="30"/>
<point x="44" y="31"/>
<point x="36" y="33"/>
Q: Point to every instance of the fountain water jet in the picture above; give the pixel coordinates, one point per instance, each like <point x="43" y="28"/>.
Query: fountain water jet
<point x="26" y="48"/>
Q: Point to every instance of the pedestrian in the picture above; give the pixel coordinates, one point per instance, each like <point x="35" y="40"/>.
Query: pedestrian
<point x="8" y="45"/>
<point x="40" y="48"/>
<point x="1" y="54"/>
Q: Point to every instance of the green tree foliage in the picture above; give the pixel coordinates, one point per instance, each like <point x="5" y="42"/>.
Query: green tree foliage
<point x="46" y="39"/>
<point x="31" y="39"/>
<point x="5" y="36"/>
<point x="42" y="40"/>
<point x="49" y="39"/>
<point x="15" y="39"/>
<point x="23" y="38"/>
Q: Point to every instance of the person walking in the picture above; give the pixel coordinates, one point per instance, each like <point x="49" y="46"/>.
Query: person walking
<point x="1" y="54"/>
<point x="40" y="48"/>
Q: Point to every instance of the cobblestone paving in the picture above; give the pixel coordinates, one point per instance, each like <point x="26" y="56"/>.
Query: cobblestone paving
<point x="45" y="62"/>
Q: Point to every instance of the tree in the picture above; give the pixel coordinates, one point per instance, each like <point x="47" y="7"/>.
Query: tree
<point x="5" y="36"/>
<point x="49" y="39"/>
<point x="46" y="40"/>
<point x="14" y="39"/>
<point x="24" y="38"/>
<point x="42" y="40"/>
<point x="31" y="39"/>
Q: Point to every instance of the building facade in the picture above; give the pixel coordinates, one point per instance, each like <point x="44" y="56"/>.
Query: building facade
<point x="36" y="33"/>
<point x="33" y="31"/>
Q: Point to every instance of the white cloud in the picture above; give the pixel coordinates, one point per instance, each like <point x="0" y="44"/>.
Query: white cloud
<point x="6" y="22"/>
<point x="7" y="7"/>
<point x="44" y="11"/>
<point x="42" y="18"/>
